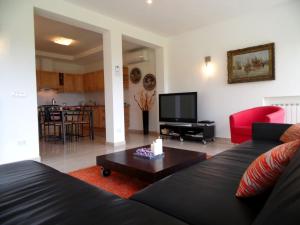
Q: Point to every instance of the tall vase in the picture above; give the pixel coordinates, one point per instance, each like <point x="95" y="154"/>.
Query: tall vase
<point x="146" y="122"/>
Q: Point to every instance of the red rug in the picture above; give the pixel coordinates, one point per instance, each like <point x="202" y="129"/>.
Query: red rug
<point x="117" y="183"/>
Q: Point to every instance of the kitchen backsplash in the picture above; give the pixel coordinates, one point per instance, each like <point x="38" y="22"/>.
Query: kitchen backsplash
<point x="71" y="99"/>
<point x="45" y="98"/>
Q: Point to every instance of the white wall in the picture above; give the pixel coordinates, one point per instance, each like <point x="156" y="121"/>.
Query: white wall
<point x="217" y="99"/>
<point x="91" y="67"/>
<point x="18" y="115"/>
<point x="136" y="122"/>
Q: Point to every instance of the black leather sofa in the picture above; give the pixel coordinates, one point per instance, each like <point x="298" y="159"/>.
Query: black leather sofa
<point x="204" y="194"/>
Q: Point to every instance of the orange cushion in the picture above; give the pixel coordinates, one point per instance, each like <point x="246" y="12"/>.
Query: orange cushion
<point x="291" y="134"/>
<point x="265" y="170"/>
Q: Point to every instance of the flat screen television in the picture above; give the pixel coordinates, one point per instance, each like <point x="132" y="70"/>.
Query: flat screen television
<point x="178" y="107"/>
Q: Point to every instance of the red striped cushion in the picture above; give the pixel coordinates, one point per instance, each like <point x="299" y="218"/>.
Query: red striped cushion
<point x="265" y="170"/>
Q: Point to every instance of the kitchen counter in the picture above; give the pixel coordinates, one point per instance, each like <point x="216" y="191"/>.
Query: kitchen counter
<point x="86" y="106"/>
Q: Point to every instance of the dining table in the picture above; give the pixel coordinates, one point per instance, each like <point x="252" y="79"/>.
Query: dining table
<point x="64" y="115"/>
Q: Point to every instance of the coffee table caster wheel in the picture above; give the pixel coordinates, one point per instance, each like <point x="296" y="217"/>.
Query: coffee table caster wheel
<point x="204" y="142"/>
<point x="106" y="172"/>
<point x="181" y="139"/>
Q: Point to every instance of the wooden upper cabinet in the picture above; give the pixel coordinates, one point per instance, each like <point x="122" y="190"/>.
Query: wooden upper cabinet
<point x="48" y="80"/>
<point x="68" y="82"/>
<point x="78" y="83"/>
<point x="73" y="83"/>
<point x="88" y="82"/>
<point x="38" y="80"/>
<point x="93" y="81"/>
<point x="99" y="80"/>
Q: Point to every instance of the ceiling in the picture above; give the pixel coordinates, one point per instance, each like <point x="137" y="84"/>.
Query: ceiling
<point x="171" y="17"/>
<point x="85" y="42"/>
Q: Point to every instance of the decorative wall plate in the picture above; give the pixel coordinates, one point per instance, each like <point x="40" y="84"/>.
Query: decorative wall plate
<point x="149" y="82"/>
<point x="135" y="75"/>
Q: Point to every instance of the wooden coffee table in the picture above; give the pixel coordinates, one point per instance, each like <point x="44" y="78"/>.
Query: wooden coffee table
<point x="151" y="170"/>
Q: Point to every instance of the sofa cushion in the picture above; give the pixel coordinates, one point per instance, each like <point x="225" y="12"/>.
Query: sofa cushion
<point x="32" y="193"/>
<point x="291" y="134"/>
<point x="283" y="205"/>
<point x="266" y="169"/>
<point x="205" y="193"/>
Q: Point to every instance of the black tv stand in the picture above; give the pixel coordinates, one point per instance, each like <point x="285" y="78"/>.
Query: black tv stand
<point x="202" y="131"/>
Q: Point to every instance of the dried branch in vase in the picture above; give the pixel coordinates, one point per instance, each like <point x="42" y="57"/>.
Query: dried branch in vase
<point x="145" y="100"/>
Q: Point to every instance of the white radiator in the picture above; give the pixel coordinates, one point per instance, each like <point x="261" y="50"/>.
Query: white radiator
<point x="291" y="106"/>
<point x="292" y="112"/>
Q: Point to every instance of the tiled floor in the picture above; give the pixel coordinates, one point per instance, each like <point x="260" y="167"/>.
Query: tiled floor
<point x="77" y="155"/>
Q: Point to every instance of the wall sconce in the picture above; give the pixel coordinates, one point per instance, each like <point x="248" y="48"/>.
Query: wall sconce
<point x="207" y="60"/>
<point x="208" y="68"/>
<point x="3" y="46"/>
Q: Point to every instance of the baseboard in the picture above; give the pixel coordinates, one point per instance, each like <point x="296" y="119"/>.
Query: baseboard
<point x="116" y="143"/>
<point x="223" y="140"/>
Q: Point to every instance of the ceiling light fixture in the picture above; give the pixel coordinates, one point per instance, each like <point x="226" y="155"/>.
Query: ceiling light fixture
<point x="149" y="2"/>
<point x="63" y="41"/>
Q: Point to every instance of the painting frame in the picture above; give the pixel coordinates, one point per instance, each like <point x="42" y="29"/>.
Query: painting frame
<point x="233" y="74"/>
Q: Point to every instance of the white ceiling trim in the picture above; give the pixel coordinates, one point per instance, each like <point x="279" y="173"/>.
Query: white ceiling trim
<point x="89" y="52"/>
<point x="54" y="55"/>
<point x="69" y="57"/>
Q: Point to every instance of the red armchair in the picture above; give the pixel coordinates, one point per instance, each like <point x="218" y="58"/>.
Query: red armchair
<point x="241" y="122"/>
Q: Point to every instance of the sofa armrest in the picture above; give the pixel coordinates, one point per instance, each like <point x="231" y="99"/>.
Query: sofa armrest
<point x="243" y="118"/>
<point x="268" y="131"/>
<point x="276" y="117"/>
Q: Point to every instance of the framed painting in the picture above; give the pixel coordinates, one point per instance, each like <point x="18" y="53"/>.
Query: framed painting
<point x="251" y="64"/>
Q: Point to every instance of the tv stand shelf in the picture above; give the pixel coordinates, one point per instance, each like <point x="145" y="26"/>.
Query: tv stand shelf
<point x="194" y="132"/>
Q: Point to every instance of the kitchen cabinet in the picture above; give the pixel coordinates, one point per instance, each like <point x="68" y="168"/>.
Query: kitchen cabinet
<point x="99" y="116"/>
<point x="102" y="116"/>
<point x="68" y="83"/>
<point x="125" y="78"/>
<point x="73" y="83"/>
<point x="93" y="81"/>
<point x="99" y="80"/>
<point x="38" y="79"/>
<point x="88" y="82"/>
<point x="76" y="83"/>
<point x="126" y="117"/>
<point x="48" y="80"/>
<point x="96" y="117"/>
